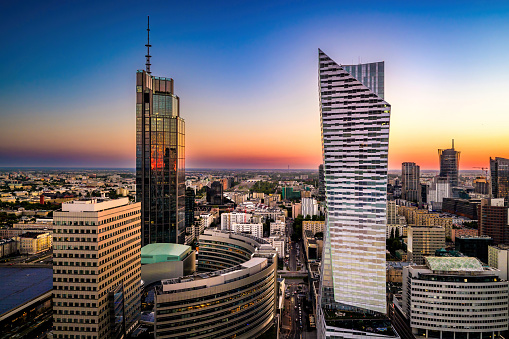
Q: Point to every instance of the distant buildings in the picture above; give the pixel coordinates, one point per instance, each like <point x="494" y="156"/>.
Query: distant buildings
<point x="355" y="133"/>
<point x="499" y="169"/>
<point x="410" y="183"/>
<point x="449" y="165"/>
<point x="255" y="229"/>
<point x="424" y="241"/>
<point x="439" y="190"/>
<point x="229" y="219"/>
<point x="493" y="220"/>
<point x="160" y="169"/>
<point x="454" y="297"/>
<point x="96" y="268"/>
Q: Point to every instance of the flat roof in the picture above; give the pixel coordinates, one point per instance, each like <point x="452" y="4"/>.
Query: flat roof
<point x="454" y="264"/>
<point x="154" y="253"/>
<point x="20" y="285"/>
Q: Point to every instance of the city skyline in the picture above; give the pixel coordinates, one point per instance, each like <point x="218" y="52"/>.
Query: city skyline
<point x="249" y="71"/>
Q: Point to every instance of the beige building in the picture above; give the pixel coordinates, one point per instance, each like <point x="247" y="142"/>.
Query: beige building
<point x="96" y="268"/>
<point x="313" y="226"/>
<point x="423" y="241"/>
<point x="32" y="242"/>
<point x="498" y="257"/>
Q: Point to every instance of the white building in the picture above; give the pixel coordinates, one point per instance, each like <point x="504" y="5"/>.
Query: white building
<point x="228" y="219"/>
<point x="278" y="244"/>
<point x="277" y="228"/>
<point x="440" y="188"/>
<point x="253" y="229"/>
<point x="310" y="207"/>
<point x="355" y="135"/>
<point x="455" y="297"/>
<point x="207" y="220"/>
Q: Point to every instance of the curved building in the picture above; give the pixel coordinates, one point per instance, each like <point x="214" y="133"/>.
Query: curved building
<point x="234" y="297"/>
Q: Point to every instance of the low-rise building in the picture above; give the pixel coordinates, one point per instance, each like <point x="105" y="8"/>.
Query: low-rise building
<point x="498" y="257"/>
<point x="252" y="229"/>
<point x="32" y="242"/>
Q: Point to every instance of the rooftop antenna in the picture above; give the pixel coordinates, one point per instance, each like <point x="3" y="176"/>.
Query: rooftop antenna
<point x="452" y="143"/>
<point x="148" y="45"/>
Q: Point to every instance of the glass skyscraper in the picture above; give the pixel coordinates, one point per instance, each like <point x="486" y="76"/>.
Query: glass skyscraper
<point x="355" y="141"/>
<point x="449" y="164"/>
<point x="160" y="165"/>
<point x="499" y="169"/>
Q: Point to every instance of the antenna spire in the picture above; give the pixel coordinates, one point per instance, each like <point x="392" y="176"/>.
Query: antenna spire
<point x="452" y="143"/>
<point x="148" y="45"/>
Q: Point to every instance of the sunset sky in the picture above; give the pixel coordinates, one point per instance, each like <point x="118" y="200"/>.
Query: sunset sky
<point x="246" y="74"/>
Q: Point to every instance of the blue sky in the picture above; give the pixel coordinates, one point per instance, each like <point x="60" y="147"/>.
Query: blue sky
<point x="246" y="73"/>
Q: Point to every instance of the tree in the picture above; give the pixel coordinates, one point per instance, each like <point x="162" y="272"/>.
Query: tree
<point x="392" y="233"/>
<point x="396" y="234"/>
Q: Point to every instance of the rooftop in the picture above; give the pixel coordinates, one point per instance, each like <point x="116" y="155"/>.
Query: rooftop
<point x="163" y="252"/>
<point x="93" y="205"/>
<point x="20" y="285"/>
<point x="454" y="264"/>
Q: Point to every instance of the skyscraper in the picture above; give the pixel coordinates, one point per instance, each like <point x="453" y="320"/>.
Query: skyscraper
<point x="410" y="183"/>
<point x="449" y="164"/>
<point x="96" y="269"/>
<point x="499" y="169"/>
<point x="160" y="163"/>
<point x="355" y="141"/>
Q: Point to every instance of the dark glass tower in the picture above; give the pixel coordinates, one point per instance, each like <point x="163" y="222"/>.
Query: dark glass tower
<point x="159" y="160"/>
<point x="449" y="164"/>
<point x="321" y="183"/>
<point x="499" y="169"/>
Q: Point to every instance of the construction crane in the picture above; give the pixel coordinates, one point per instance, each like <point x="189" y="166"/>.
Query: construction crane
<point x="485" y="170"/>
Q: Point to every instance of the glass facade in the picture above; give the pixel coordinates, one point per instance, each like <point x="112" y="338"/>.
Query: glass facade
<point x="355" y="141"/>
<point x="449" y="165"/>
<point x="160" y="160"/>
<point x="499" y="169"/>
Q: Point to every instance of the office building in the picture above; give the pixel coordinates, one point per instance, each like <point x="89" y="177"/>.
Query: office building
<point x="355" y="135"/>
<point x="96" y="268"/>
<point x="493" y="220"/>
<point x="474" y="246"/>
<point x="234" y="296"/>
<point x="424" y="241"/>
<point x="313" y="226"/>
<point x="462" y="207"/>
<point x="439" y="190"/>
<point x="278" y="228"/>
<point x="410" y="182"/>
<point x="481" y="186"/>
<point x="499" y="169"/>
<point x="309" y="207"/>
<point x="255" y="229"/>
<point x="454" y="297"/>
<point x="498" y="257"/>
<point x="449" y="164"/>
<point x="160" y="165"/>
<point x="321" y="183"/>
<point x="215" y="193"/>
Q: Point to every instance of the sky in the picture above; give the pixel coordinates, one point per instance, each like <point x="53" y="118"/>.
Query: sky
<point x="246" y="73"/>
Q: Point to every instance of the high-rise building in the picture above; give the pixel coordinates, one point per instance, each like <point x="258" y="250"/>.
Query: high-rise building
<point x="160" y="167"/>
<point x="439" y="190"/>
<point x="309" y="207"/>
<point x="321" y="183"/>
<point x="423" y="241"/>
<point x="410" y="183"/>
<point x="189" y="215"/>
<point x="449" y="164"/>
<point x="96" y="268"/>
<point x="355" y="139"/>
<point x="499" y="169"/>
<point x="493" y="220"/>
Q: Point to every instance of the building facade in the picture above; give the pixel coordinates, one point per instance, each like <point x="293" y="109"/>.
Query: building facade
<point x="454" y="297"/>
<point x="355" y="139"/>
<point x="321" y="183"/>
<point x="236" y="300"/>
<point x="96" y="269"/>
<point x="493" y="220"/>
<point x="498" y="257"/>
<point x="33" y="242"/>
<point x="160" y="164"/>
<point x="309" y="207"/>
<point x="424" y="241"/>
<point x="499" y="169"/>
<point x="449" y="165"/>
<point x="410" y="182"/>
